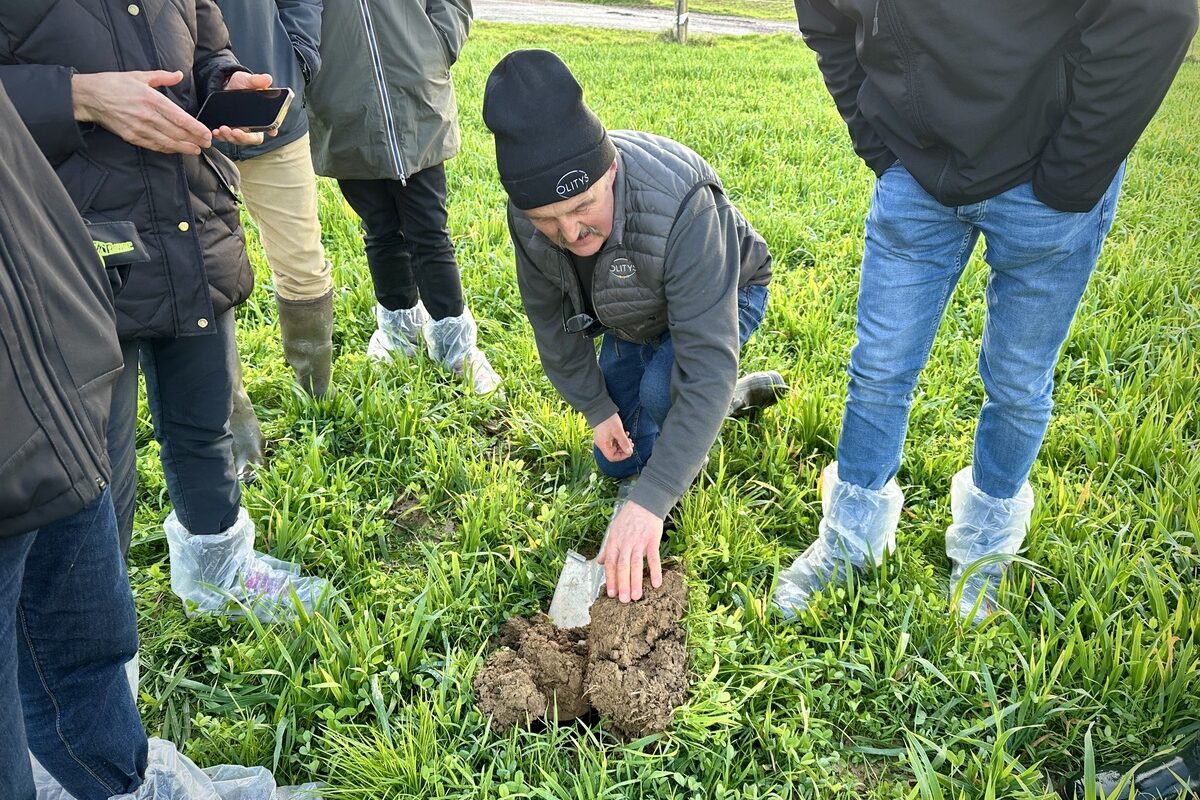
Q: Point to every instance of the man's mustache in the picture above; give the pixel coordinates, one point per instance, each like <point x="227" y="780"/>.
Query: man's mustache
<point x="562" y="242"/>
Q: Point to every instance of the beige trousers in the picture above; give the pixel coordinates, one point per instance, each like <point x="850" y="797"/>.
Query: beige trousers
<point x="280" y="191"/>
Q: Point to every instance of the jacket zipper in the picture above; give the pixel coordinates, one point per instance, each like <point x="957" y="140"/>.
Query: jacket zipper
<point x="385" y="101"/>
<point x="875" y="22"/>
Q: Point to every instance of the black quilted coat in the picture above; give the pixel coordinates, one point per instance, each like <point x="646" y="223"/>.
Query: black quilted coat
<point x="185" y="207"/>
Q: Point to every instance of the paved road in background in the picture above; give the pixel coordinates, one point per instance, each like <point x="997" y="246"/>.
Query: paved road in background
<point x="537" y="12"/>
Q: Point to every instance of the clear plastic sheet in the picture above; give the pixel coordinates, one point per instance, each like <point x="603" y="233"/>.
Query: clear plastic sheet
<point x="983" y="526"/>
<point x="857" y="526"/>
<point x="221" y="573"/>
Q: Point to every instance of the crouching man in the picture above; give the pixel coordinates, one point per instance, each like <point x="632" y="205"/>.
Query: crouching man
<point x="628" y="236"/>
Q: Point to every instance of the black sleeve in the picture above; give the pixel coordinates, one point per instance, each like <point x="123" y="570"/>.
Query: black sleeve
<point x="302" y="21"/>
<point x="214" y="61"/>
<point x="41" y="94"/>
<point x="831" y="35"/>
<point x="1129" y="52"/>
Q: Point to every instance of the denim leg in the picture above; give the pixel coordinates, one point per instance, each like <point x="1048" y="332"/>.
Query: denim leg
<point x="188" y="388"/>
<point x="16" y="780"/>
<point x="752" y="307"/>
<point x="623" y="365"/>
<point x="915" y="252"/>
<point x="1041" y="260"/>
<point x="76" y="630"/>
<point x="122" y="442"/>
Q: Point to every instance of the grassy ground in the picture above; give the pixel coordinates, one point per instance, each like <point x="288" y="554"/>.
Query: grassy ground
<point x="440" y="514"/>
<point x="757" y="9"/>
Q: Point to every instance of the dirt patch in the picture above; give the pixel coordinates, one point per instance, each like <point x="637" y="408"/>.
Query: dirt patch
<point x="629" y="664"/>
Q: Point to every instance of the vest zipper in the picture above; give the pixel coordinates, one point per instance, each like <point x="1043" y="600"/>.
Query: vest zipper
<point x="384" y="99"/>
<point x="875" y="22"/>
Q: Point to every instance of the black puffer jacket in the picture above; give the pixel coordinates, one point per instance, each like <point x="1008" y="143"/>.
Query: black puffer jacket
<point x="975" y="97"/>
<point x="184" y="207"/>
<point x="58" y="343"/>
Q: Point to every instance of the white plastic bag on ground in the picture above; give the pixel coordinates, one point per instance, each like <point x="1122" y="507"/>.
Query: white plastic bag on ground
<point x="857" y="526"/>
<point x="983" y="526"/>
<point x="218" y="572"/>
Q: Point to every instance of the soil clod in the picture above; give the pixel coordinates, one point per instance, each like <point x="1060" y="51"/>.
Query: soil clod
<point x="629" y="664"/>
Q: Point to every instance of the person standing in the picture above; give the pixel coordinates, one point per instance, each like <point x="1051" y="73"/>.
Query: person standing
<point x="970" y="134"/>
<point x="384" y="121"/>
<point x="110" y="98"/>
<point x="279" y="187"/>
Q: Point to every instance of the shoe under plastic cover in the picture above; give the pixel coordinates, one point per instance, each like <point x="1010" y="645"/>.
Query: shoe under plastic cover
<point x="398" y="332"/>
<point x="857" y="526"/>
<point x="222" y="573"/>
<point x="452" y="344"/>
<point x="983" y="526"/>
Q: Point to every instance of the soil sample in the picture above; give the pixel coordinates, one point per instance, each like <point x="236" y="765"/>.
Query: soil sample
<point x="637" y="658"/>
<point x="630" y="664"/>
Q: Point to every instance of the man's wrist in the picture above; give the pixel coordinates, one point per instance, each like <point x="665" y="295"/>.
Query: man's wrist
<point x="81" y="97"/>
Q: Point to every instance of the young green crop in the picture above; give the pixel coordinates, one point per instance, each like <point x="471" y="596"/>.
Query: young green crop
<point x="439" y="514"/>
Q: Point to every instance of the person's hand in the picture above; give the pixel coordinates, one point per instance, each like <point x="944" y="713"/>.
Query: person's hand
<point x="130" y="105"/>
<point x="243" y="80"/>
<point x="612" y="440"/>
<point x="633" y="538"/>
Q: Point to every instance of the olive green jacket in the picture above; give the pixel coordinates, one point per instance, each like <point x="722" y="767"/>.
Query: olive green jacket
<point x="383" y="104"/>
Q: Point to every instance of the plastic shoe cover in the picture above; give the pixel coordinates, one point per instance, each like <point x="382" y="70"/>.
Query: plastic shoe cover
<point x="983" y="526"/>
<point x="451" y="342"/>
<point x="858" y="525"/>
<point x="398" y="332"/>
<point x="170" y="775"/>
<point x="215" y="573"/>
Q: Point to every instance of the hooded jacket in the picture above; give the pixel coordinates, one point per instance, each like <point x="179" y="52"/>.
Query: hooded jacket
<point x="383" y="104"/>
<point x="184" y="207"/>
<point x="59" y="355"/>
<point x="977" y="97"/>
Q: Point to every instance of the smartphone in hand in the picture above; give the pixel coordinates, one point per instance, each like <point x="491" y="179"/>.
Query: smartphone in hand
<point x="254" y="110"/>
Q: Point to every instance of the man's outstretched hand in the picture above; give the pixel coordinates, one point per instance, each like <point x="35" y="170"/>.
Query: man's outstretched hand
<point x="130" y="105"/>
<point x="633" y="539"/>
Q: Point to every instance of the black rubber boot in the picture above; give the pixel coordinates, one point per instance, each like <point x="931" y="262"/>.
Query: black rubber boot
<point x="307" y="330"/>
<point x="1176" y="776"/>
<point x="756" y="391"/>
<point x="248" y="440"/>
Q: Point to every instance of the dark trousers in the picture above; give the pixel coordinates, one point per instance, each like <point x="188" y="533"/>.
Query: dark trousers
<point x="67" y="627"/>
<point x="407" y="239"/>
<point x="188" y="388"/>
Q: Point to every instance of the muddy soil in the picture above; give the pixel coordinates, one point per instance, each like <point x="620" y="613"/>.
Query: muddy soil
<point x="629" y="664"/>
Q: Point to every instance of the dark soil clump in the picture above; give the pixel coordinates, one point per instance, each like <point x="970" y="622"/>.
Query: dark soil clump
<point x="629" y="664"/>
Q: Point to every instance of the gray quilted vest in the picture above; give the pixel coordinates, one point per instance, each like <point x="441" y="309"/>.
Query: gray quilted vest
<point x="656" y="176"/>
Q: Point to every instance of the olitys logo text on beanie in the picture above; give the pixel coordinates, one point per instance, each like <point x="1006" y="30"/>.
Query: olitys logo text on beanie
<point x="572" y="183"/>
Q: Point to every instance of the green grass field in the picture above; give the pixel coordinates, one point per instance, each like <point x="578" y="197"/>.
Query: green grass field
<point x="440" y="514"/>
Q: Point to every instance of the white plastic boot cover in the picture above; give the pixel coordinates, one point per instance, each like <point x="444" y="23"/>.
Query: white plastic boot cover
<point x="398" y="332"/>
<point x="983" y="526"/>
<point x="858" y="525"/>
<point x="216" y="573"/>
<point x="452" y="344"/>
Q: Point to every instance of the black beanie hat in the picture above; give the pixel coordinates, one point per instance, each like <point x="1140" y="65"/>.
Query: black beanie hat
<point x="549" y="144"/>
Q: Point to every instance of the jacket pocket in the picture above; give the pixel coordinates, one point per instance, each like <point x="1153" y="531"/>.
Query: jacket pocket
<point x="83" y="179"/>
<point x="225" y="171"/>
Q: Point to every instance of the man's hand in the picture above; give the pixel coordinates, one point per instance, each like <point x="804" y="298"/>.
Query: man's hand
<point x="243" y="80"/>
<point x="633" y="537"/>
<point x="130" y="105"/>
<point x="612" y="440"/>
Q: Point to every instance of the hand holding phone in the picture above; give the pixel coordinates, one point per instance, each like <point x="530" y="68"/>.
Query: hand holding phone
<point x="247" y="108"/>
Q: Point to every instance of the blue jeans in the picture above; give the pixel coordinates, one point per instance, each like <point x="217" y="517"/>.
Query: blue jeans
<point x="638" y="377"/>
<point x="1040" y="261"/>
<point x="67" y="627"/>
